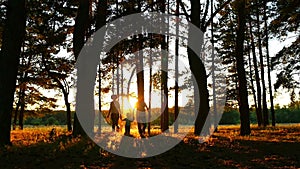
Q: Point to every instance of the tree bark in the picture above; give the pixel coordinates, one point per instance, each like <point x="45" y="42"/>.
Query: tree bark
<point x="100" y="22"/>
<point x="268" y="64"/>
<point x="257" y="79"/>
<point x="176" y="106"/>
<point x="16" y="113"/>
<point x="213" y="67"/>
<point x="150" y="82"/>
<point x="262" y="70"/>
<point x="164" y="85"/>
<point x="251" y="79"/>
<point x="164" y="76"/>
<point x="198" y="70"/>
<point x="239" y="50"/>
<point x="140" y="82"/>
<point x="13" y="35"/>
<point x="80" y="28"/>
<point x="22" y="110"/>
<point x="68" y="107"/>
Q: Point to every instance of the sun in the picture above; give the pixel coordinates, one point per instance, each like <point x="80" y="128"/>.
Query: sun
<point x="128" y="104"/>
<point x="132" y="101"/>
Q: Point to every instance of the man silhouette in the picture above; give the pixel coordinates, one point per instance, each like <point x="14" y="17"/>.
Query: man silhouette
<point x="141" y="108"/>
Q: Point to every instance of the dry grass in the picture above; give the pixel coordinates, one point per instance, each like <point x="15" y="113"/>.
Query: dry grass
<point x="265" y="148"/>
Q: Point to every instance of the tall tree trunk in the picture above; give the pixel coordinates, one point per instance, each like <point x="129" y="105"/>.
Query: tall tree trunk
<point x="23" y="87"/>
<point x="150" y="95"/>
<point x="262" y="71"/>
<point x="69" y="121"/>
<point x="268" y="64"/>
<point x="215" y="113"/>
<point x="22" y="110"/>
<point x="9" y="61"/>
<point x="164" y="77"/>
<point x="251" y="79"/>
<point x="100" y="22"/>
<point x="16" y="112"/>
<point x="164" y="82"/>
<point x="63" y="86"/>
<point x="100" y="100"/>
<point x="118" y="75"/>
<point x="239" y="50"/>
<point x="68" y="107"/>
<point x="117" y="55"/>
<point x="150" y="74"/>
<point x="150" y="82"/>
<point x="122" y="86"/>
<point x="176" y="110"/>
<point x="140" y="76"/>
<point x="80" y="28"/>
<point x="257" y="79"/>
<point x="140" y="80"/>
<point x="198" y="70"/>
<point x="113" y="75"/>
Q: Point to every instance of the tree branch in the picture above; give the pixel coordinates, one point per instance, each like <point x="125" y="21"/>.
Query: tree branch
<point x="150" y="6"/>
<point x="215" y="13"/>
<point x="184" y="10"/>
<point x="205" y="14"/>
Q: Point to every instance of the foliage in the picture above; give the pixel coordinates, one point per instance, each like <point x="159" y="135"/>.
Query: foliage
<point x="33" y="121"/>
<point x="284" y="25"/>
<point x="224" y="37"/>
<point x="46" y="118"/>
<point x="286" y="115"/>
<point x="51" y="121"/>
<point x="230" y="117"/>
<point x="282" y="115"/>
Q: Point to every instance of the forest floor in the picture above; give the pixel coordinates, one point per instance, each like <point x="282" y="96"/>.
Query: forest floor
<point x="266" y="148"/>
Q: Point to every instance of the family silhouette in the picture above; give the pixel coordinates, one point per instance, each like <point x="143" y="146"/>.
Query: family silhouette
<point x="115" y="114"/>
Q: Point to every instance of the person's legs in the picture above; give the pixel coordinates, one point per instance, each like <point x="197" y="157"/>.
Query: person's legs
<point x="144" y="127"/>
<point x="113" y="125"/>
<point x="127" y="130"/>
<point x="141" y="123"/>
<point x="114" y="119"/>
<point x="140" y="128"/>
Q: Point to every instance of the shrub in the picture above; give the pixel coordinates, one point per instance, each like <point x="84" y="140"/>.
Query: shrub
<point x="51" y="121"/>
<point x="230" y="117"/>
<point x="33" y="121"/>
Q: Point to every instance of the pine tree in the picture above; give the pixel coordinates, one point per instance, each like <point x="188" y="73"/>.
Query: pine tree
<point x="9" y="59"/>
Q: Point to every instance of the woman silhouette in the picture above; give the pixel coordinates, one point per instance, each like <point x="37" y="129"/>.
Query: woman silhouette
<point x="114" y="112"/>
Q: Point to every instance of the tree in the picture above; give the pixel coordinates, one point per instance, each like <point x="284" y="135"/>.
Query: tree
<point x="257" y="79"/>
<point x="176" y="111"/>
<point x="266" y="31"/>
<point x="262" y="69"/>
<point x="100" y="22"/>
<point x="225" y="37"/>
<point x="9" y="59"/>
<point x="47" y="33"/>
<point x="164" y="75"/>
<point x="285" y="24"/>
<point x="198" y="70"/>
<point x="239" y="50"/>
<point x="80" y="30"/>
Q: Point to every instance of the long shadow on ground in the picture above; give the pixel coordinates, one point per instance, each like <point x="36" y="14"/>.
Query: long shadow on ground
<point x="219" y="152"/>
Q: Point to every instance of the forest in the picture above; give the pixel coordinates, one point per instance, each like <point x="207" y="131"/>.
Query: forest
<point x="214" y="83"/>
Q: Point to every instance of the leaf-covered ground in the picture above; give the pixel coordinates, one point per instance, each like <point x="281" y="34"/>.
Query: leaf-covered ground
<point x="266" y="148"/>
